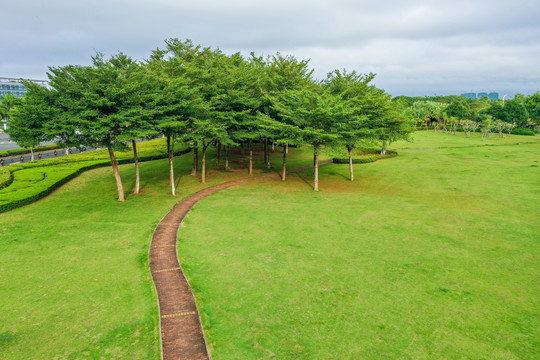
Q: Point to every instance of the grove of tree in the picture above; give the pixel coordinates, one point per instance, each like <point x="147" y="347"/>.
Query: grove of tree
<point x="204" y="97"/>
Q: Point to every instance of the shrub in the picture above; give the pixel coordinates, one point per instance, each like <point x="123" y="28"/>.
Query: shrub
<point x="522" y="131"/>
<point x="5" y="178"/>
<point x="368" y="155"/>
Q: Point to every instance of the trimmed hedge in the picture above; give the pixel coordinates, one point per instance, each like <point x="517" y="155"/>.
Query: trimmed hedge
<point x="367" y="157"/>
<point x="24" y="151"/>
<point x="6" y="178"/>
<point x="522" y="131"/>
<point x="33" y="183"/>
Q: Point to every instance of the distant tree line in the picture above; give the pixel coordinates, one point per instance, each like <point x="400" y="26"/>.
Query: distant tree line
<point x="521" y="112"/>
<point x="202" y="97"/>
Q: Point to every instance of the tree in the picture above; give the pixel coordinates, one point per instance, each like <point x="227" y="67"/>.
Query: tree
<point x="510" y="127"/>
<point x="7" y="102"/>
<point x="175" y="101"/>
<point x="458" y="109"/>
<point x="28" y="116"/>
<point x="99" y="101"/>
<point x="499" y="126"/>
<point x="283" y="73"/>
<point x="237" y="103"/>
<point x="486" y="127"/>
<point x="532" y="105"/>
<point x="516" y="112"/>
<point x="426" y="111"/>
<point x="353" y="127"/>
<point x="473" y="125"/>
<point x="467" y="126"/>
<point x="315" y="111"/>
<point x="392" y="123"/>
<point x="140" y="122"/>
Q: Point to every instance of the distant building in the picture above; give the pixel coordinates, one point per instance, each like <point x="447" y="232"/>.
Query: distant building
<point x="493" y="96"/>
<point x="469" y="95"/>
<point x="482" y="95"/>
<point x="15" y="87"/>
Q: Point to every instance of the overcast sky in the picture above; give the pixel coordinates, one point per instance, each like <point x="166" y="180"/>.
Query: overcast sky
<point x="415" y="47"/>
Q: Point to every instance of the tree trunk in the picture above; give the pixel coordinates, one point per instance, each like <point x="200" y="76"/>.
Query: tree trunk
<point x="250" y="157"/>
<point x="383" y="151"/>
<point x="266" y="150"/>
<point x="137" y="176"/>
<point x="226" y="158"/>
<point x="284" y="162"/>
<point x="218" y="151"/>
<point x="316" y="165"/>
<point x="31" y="153"/>
<point x="242" y="148"/>
<point x="195" y="158"/>
<point x="67" y="150"/>
<point x="114" y="165"/>
<point x="267" y="154"/>
<point x="350" y="163"/>
<point x="203" y="170"/>
<point x="170" y="149"/>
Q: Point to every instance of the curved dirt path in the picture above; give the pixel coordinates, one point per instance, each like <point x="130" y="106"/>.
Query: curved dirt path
<point x="181" y="331"/>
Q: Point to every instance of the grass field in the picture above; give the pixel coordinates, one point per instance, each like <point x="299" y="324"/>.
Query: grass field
<point x="430" y="255"/>
<point x="74" y="280"/>
<point x="433" y="254"/>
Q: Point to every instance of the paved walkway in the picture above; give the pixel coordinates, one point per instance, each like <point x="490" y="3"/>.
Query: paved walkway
<point x="182" y="337"/>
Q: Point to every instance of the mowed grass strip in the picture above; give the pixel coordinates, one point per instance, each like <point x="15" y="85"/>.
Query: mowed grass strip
<point x="74" y="279"/>
<point x="430" y="255"/>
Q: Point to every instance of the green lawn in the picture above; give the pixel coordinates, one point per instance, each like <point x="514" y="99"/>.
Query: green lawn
<point x="433" y="254"/>
<point x="430" y="255"/>
<point x="74" y="280"/>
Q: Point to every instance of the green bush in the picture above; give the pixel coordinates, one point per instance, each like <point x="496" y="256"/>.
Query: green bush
<point x="5" y="178"/>
<point x="522" y="131"/>
<point x="366" y="157"/>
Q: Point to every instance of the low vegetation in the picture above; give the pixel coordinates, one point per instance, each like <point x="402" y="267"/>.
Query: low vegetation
<point x="35" y="180"/>
<point x="5" y="178"/>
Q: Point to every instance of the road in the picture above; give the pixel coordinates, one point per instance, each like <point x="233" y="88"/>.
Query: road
<point x="7" y="144"/>
<point x="42" y="155"/>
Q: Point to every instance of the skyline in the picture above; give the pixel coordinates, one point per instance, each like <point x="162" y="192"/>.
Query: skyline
<point x="417" y="48"/>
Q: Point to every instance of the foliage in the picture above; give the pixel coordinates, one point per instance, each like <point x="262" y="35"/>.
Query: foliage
<point x="28" y="116"/>
<point x="427" y="111"/>
<point x="459" y="109"/>
<point x="7" y="103"/>
<point x="520" y="131"/>
<point x="5" y="178"/>
<point x="532" y="105"/>
<point x="365" y="157"/>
